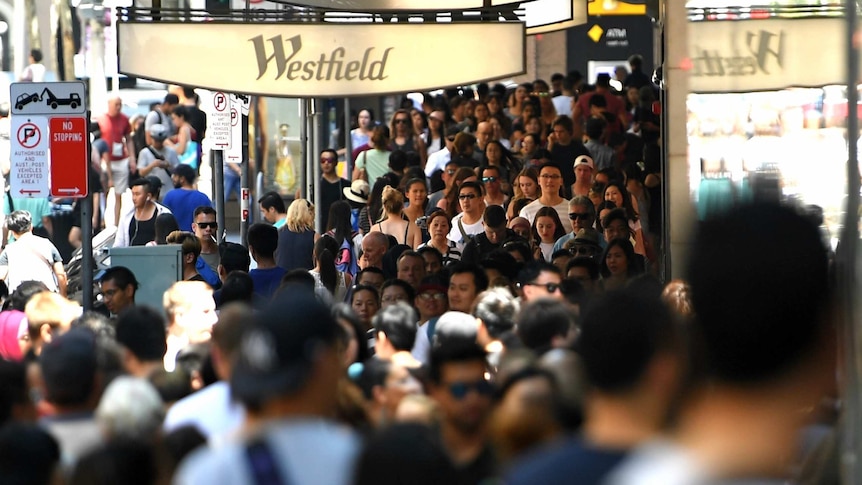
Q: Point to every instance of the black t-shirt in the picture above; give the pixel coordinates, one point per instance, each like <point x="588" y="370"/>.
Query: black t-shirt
<point x="564" y="156"/>
<point x="483" y="468"/>
<point x="198" y="120"/>
<point x="331" y="192"/>
<point x="142" y="232"/>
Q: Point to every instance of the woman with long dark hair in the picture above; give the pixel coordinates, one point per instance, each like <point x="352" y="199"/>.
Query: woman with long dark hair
<point x="326" y="275"/>
<point x="404" y="136"/>
<point x="341" y="231"/>
<point x="619" y="264"/>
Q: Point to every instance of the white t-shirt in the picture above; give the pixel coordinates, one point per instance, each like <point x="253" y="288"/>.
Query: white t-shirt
<point x="456" y="236"/>
<point x="563" y="105"/>
<point x="211" y="410"/>
<point x="530" y="210"/>
<point x="437" y="161"/>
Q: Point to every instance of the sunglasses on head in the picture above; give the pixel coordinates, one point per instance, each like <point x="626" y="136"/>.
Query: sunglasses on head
<point x="204" y="225"/>
<point x="459" y="390"/>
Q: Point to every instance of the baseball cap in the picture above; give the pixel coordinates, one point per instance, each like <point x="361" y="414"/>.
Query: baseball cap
<point x="159" y="132"/>
<point x="279" y="350"/>
<point x="585" y="160"/>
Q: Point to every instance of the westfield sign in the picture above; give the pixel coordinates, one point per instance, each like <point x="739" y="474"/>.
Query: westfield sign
<point x="322" y="59"/>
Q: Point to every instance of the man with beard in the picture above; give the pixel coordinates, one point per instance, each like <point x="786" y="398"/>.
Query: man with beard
<point x="184" y="199"/>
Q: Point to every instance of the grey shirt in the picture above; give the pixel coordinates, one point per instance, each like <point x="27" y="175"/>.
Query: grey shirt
<point x="168" y="154"/>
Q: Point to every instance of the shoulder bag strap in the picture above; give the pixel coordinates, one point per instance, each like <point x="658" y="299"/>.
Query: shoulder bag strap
<point x="263" y="464"/>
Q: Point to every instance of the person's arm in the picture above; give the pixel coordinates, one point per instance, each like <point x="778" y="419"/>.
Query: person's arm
<point x="61" y="277"/>
<point x="48" y="224"/>
<point x="423" y="151"/>
<point x="414" y="234"/>
<point x="4" y="265"/>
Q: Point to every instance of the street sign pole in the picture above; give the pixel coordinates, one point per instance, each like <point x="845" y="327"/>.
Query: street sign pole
<point x="87" y="263"/>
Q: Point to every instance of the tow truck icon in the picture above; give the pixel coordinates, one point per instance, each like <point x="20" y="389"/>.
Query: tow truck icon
<point x="73" y="101"/>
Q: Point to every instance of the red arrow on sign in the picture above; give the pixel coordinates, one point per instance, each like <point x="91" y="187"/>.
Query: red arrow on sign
<point x="69" y="157"/>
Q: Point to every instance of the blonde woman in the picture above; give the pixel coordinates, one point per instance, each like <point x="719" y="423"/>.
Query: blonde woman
<point x="296" y="237"/>
<point x="393" y="224"/>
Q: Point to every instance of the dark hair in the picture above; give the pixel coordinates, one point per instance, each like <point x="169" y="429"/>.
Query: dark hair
<point x="369" y="269"/>
<point x="330" y="150"/>
<point x="541" y="320"/>
<point x="28" y="454"/>
<point x="404" y="450"/>
<point x="594" y="128"/>
<point x="564" y="122"/>
<point x="411" y="293"/>
<point x="621" y="332"/>
<point x="238" y="286"/>
<point x="339" y="222"/>
<point x="186" y="172"/>
<point x="430" y="250"/>
<point x="324" y="252"/>
<point x="300" y="277"/>
<point x="398" y="323"/>
<point x="358" y="288"/>
<point x="121" y="461"/>
<point x="342" y="311"/>
<point x="121" y="276"/>
<point x="480" y="279"/>
<point x="617" y="213"/>
<point x="233" y="257"/>
<point x="26" y="290"/>
<point x="533" y="269"/>
<point x="633" y="266"/>
<point x="584" y="262"/>
<point x="397" y="161"/>
<point x="272" y="199"/>
<point x="165" y="224"/>
<point x="546" y="211"/>
<point x="449" y="354"/>
<point x="145" y="183"/>
<point x="37" y="55"/>
<point x="627" y="200"/>
<point x="142" y="330"/>
<point x="263" y="239"/>
<point x="68" y="368"/>
<point x="374" y="373"/>
<point x="521" y="247"/>
<point x="759" y="310"/>
<point x="471" y="185"/>
<point x="204" y="209"/>
<point x="598" y="101"/>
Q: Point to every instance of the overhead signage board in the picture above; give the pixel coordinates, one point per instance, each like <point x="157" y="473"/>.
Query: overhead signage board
<point x="395" y="5"/>
<point x="321" y="59"/>
<point x="59" y="98"/>
<point x="767" y="54"/>
<point x="544" y="16"/>
<point x="69" y="160"/>
<point x="28" y="171"/>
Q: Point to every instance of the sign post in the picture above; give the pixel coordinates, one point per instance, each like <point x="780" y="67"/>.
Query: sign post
<point x="50" y="154"/>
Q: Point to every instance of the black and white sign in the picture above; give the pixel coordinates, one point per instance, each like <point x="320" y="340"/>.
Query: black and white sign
<point x="59" y="98"/>
<point x="219" y="121"/>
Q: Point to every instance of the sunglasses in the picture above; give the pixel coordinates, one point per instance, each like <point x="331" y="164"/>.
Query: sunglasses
<point x="487" y="180"/>
<point x="581" y="216"/>
<point x="328" y="160"/>
<point x="582" y="250"/>
<point x="550" y="287"/>
<point x="459" y="390"/>
<point x="433" y="296"/>
<point x="466" y="196"/>
<point x="204" y="225"/>
<point x="450" y="138"/>
<point x="401" y="120"/>
<point x="450" y="172"/>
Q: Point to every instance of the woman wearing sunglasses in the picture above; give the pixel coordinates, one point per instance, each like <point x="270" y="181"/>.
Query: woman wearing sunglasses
<point x="405" y="138"/>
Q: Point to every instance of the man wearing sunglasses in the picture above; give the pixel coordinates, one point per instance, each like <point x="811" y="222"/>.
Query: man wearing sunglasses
<point x="540" y="279"/>
<point x="492" y="180"/>
<point x="206" y="228"/>
<point x="582" y="214"/>
<point x="469" y="222"/>
<point x="458" y="385"/>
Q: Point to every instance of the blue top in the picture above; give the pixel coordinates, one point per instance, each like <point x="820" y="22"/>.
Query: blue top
<point x="182" y="203"/>
<point x="572" y="461"/>
<point x="266" y="281"/>
<point x="294" y="249"/>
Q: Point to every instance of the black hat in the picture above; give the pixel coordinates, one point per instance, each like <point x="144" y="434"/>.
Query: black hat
<point x="279" y="350"/>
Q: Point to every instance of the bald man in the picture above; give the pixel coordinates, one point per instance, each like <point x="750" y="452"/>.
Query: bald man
<point x="117" y="133"/>
<point x="374" y="246"/>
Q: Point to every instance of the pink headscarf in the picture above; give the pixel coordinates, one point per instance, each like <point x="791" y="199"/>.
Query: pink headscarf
<point x="10" y="324"/>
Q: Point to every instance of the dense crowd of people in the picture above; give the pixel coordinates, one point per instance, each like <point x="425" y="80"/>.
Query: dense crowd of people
<point x="482" y="306"/>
